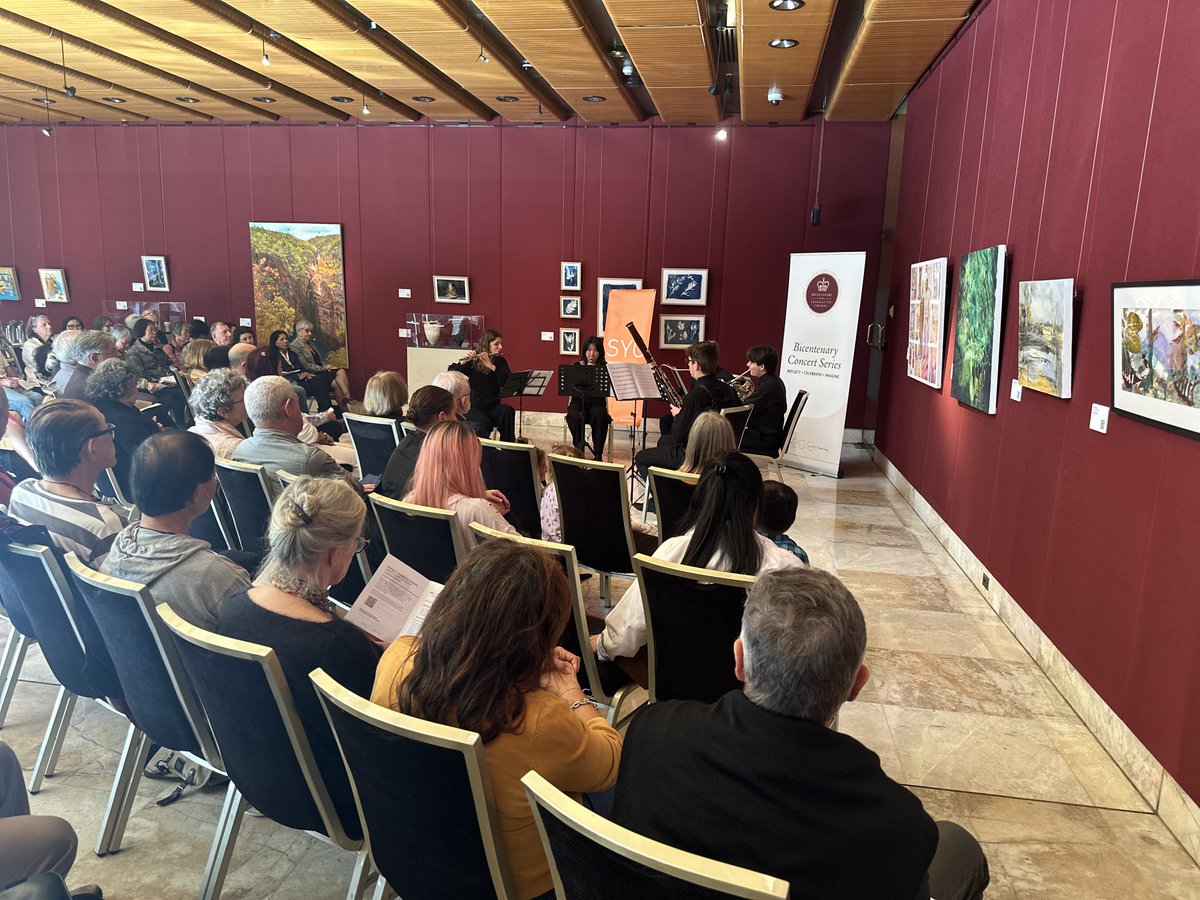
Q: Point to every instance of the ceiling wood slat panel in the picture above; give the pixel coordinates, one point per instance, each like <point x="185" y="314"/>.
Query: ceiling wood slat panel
<point x="19" y="89"/>
<point x="793" y="70"/>
<point x="35" y="113"/>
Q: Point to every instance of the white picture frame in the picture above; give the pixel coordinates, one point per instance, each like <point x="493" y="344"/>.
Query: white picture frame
<point x="605" y="286"/>
<point x="154" y="273"/>
<point x="570" y="306"/>
<point x="678" y="332"/>
<point x="570" y="276"/>
<point x="684" y="287"/>
<point x="451" y="289"/>
<point x="568" y="342"/>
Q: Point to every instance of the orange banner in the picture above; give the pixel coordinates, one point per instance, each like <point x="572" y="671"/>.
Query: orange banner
<point x="624" y="307"/>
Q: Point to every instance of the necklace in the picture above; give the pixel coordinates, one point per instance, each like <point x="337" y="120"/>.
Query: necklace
<point x="304" y="590"/>
<point x="85" y="495"/>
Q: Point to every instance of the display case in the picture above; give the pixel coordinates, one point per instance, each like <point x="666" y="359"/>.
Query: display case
<point x="168" y="310"/>
<point x="444" y="330"/>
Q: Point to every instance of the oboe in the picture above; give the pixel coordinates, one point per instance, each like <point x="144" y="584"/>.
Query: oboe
<point x="664" y="386"/>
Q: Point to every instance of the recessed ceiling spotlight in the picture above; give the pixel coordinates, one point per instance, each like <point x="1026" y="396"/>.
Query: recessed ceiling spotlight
<point x="505" y="98"/>
<point x="341" y="99"/>
<point x="784" y="43"/>
<point x="45" y="101"/>
<point x="263" y="99"/>
<point x="114" y="100"/>
<point x="594" y="98"/>
<point x="421" y="98"/>
<point x="786" y="5"/>
<point x="183" y="100"/>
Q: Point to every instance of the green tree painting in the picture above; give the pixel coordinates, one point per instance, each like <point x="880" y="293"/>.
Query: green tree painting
<point x="977" y="328"/>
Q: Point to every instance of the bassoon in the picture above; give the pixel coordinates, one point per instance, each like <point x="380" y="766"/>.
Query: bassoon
<point x="664" y="385"/>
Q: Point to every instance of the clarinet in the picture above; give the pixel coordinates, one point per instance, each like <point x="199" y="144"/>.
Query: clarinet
<point x="664" y="386"/>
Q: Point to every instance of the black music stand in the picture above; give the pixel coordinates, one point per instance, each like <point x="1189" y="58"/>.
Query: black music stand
<point x="578" y="381"/>
<point x="531" y="383"/>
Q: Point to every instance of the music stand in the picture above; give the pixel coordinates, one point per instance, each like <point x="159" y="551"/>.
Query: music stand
<point x="579" y="381"/>
<point x="531" y="383"/>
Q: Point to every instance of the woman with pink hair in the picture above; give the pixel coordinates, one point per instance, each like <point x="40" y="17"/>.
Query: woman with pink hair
<point x="447" y="476"/>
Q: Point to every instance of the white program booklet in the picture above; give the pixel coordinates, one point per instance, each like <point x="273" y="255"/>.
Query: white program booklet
<point x="394" y="602"/>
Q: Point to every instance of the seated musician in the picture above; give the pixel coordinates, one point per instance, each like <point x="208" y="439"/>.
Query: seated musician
<point x="764" y="431"/>
<point x="708" y="392"/>
<point x="591" y="411"/>
<point x="487" y="370"/>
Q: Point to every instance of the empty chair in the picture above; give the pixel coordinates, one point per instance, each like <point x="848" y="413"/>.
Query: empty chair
<point x="374" y="438"/>
<point x="672" y="492"/>
<point x="591" y="857"/>
<point x="427" y="539"/>
<point x="272" y="763"/>
<point x="248" y="497"/>
<point x="789" y="429"/>
<point x="737" y="417"/>
<point x="693" y="616"/>
<point x="436" y="835"/>
<point x="512" y="469"/>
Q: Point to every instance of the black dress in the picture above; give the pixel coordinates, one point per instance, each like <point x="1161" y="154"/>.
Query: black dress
<point x="316" y="387"/>
<point x="487" y="412"/>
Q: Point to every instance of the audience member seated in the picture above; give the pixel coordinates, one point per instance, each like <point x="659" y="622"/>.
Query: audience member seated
<point x="176" y="342"/>
<point x="285" y="362"/>
<point x="102" y="323"/>
<point x="79" y="358"/>
<point x="719" y="534"/>
<point x="21" y="400"/>
<point x="447" y="476"/>
<point x="216" y="357"/>
<point x="315" y="530"/>
<point x="221" y="334"/>
<point x="123" y="336"/>
<point x="36" y="348"/>
<point x="760" y="779"/>
<point x="192" y="359"/>
<point x="174" y="479"/>
<point x="153" y="366"/>
<point x="60" y="348"/>
<point x="15" y="456"/>
<point x="385" y="395"/>
<point x="550" y="514"/>
<point x="488" y="370"/>
<point x="219" y="404"/>
<point x="764" y="430"/>
<point x="711" y="437"/>
<point x="777" y="515"/>
<point x="459" y="387"/>
<point x="486" y="661"/>
<point x="72" y="445"/>
<point x="309" y="356"/>
<point x="244" y="334"/>
<point x="254" y="363"/>
<point x="198" y="328"/>
<point x="428" y="406"/>
<point x="112" y="389"/>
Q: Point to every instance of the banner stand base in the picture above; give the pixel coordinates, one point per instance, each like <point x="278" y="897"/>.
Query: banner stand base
<point x="813" y="467"/>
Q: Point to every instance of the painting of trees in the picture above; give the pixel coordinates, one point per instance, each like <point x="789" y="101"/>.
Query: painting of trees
<point x="977" y="328"/>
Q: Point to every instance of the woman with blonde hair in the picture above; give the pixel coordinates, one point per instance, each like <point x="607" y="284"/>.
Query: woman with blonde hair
<point x="385" y="395"/>
<point x="447" y="476"/>
<point x="192" y="358"/>
<point x="711" y="436"/>
<point x="486" y="661"/>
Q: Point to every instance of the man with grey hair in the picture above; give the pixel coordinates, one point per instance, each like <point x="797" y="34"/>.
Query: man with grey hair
<point x="79" y="358"/>
<point x="460" y="388"/>
<point x="761" y="779"/>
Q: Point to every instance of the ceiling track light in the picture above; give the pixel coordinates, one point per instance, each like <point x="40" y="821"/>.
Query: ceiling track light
<point x="266" y="60"/>
<point x="69" y="90"/>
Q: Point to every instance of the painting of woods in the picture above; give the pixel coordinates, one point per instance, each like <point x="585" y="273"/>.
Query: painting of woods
<point x="298" y="274"/>
<point x="977" y="328"/>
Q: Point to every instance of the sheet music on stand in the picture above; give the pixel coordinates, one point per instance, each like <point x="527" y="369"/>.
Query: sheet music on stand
<point x="633" y="381"/>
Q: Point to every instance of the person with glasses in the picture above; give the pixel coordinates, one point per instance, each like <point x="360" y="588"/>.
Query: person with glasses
<point x="112" y="389"/>
<point x="73" y="323"/>
<point x="72" y="445"/>
<point x="314" y="533"/>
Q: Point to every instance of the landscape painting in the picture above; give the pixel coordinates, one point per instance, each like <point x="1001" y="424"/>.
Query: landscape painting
<point x="299" y="273"/>
<point x="926" y="320"/>
<point x="1045" y="335"/>
<point x="1156" y="353"/>
<point x="976" y="367"/>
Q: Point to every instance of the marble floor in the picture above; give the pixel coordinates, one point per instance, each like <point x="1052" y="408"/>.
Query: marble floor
<point x="955" y="708"/>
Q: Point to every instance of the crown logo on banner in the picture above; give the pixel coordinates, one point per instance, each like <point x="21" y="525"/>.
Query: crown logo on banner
<point x="823" y="284"/>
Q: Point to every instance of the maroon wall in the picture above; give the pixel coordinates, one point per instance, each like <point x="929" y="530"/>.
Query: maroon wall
<point x="1068" y="132"/>
<point x="502" y="205"/>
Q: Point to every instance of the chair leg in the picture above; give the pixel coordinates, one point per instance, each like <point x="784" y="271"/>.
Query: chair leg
<point x="605" y="588"/>
<point x="124" y="791"/>
<point x="228" y="825"/>
<point x="10" y="669"/>
<point x="646" y="502"/>
<point x="360" y="876"/>
<point x="56" y="732"/>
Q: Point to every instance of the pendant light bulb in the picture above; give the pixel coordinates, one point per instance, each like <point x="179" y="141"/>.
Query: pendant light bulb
<point x="366" y="110"/>
<point x="722" y="134"/>
<point x="266" y="60"/>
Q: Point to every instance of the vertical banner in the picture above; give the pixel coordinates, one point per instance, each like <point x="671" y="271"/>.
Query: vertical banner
<point x="624" y="307"/>
<point x="817" y="356"/>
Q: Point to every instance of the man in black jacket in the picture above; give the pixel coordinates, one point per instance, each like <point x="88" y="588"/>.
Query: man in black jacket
<point x="759" y="779"/>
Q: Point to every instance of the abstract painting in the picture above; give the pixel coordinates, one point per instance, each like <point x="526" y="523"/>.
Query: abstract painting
<point x="679" y="332"/>
<point x="685" y="287"/>
<point x="1156" y="353"/>
<point x="926" y="320"/>
<point x="54" y="285"/>
<point x="605" y="286"/>
<point x="8" y="284"/>
<point x="299" y="273"/>
<point x="976" y="368"/>
<point x="570" y="278"/>
<point x="154" y="273"/>
<point x="451" y="289"/>
<point x="1045" y="335"/>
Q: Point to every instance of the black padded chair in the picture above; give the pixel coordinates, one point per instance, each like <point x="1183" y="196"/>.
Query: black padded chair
<point x="693" y="616"/>
<point x="789" y="429"/>
<point x="435" y="834"/>
<point x="47" y="886"/>
<point x="264" y="746"/>
<point x="512" y="469"/>
<point x="426" y="539"/>
<point x="672" y="491"/>
<point x="374" y="439"/>
<point x="592" y="858"/>
<point x="245" y="491"/>
<point x="20" y="637"/>
<point x="593" y="501"/>
<point x="185" y="387"/>
<point x="737" y="417"/>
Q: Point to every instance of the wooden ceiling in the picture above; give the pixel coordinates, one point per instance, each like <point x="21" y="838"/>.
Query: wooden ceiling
<point x="455" y="61"/>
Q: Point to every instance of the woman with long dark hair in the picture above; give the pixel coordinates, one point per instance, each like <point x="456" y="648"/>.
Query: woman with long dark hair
<point x="591" y="411"/>
<point x="287" y="364"/>
<point x="718" y="534"/>
<point x="487" y="661"/>
<point x="487" y="370"/>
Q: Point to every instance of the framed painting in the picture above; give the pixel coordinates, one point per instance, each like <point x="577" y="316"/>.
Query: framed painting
<point x="570" y="307"/>
<point x="568" y="341"/>
<point x="1156" y="353"/>
<point x="451" y="289"/>
<point x="926" y="321"/>
<point x="684" y="287"/>
<point x="9" y="290"/>
<point x="976" y="370"/>
<point x="1045" y="335"/>
<point x="604" y="287"/>
<point x="570" y="276"/>
<point x="54" y="285"/>
<point x="154" y="273"/>
<point x="679" y="332"/>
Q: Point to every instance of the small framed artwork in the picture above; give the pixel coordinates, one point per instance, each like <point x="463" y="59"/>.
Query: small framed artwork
<point x="54" y="285"/>
<point x="451" y="289"/>
<point x="570" y="307"/>
<point x="684" y="287"/>
<point x="604" y="287"/>
<point x="571" y="279"/>
<point x="568" y="341"/>
<point x="8" y="284"/>
<point x="154" y="273"/>
<point x="679" y="332"/>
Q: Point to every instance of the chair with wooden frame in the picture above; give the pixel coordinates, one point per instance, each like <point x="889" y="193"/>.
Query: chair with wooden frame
<point x="693" y="616"/>
<point x="591" y="857"/>
<point x="737" y="417"/>
<point x="672" y="491"/>
<point x="764" y="461"/>
<point x="249" y="498"/>
<point x="425" y="538"/>
<point x="576" y="638"/>
<point x="374" y="438"/>
<point x="512" y="469"/>
<point x="436" y="833"/>
<point x="270" y="764"/>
